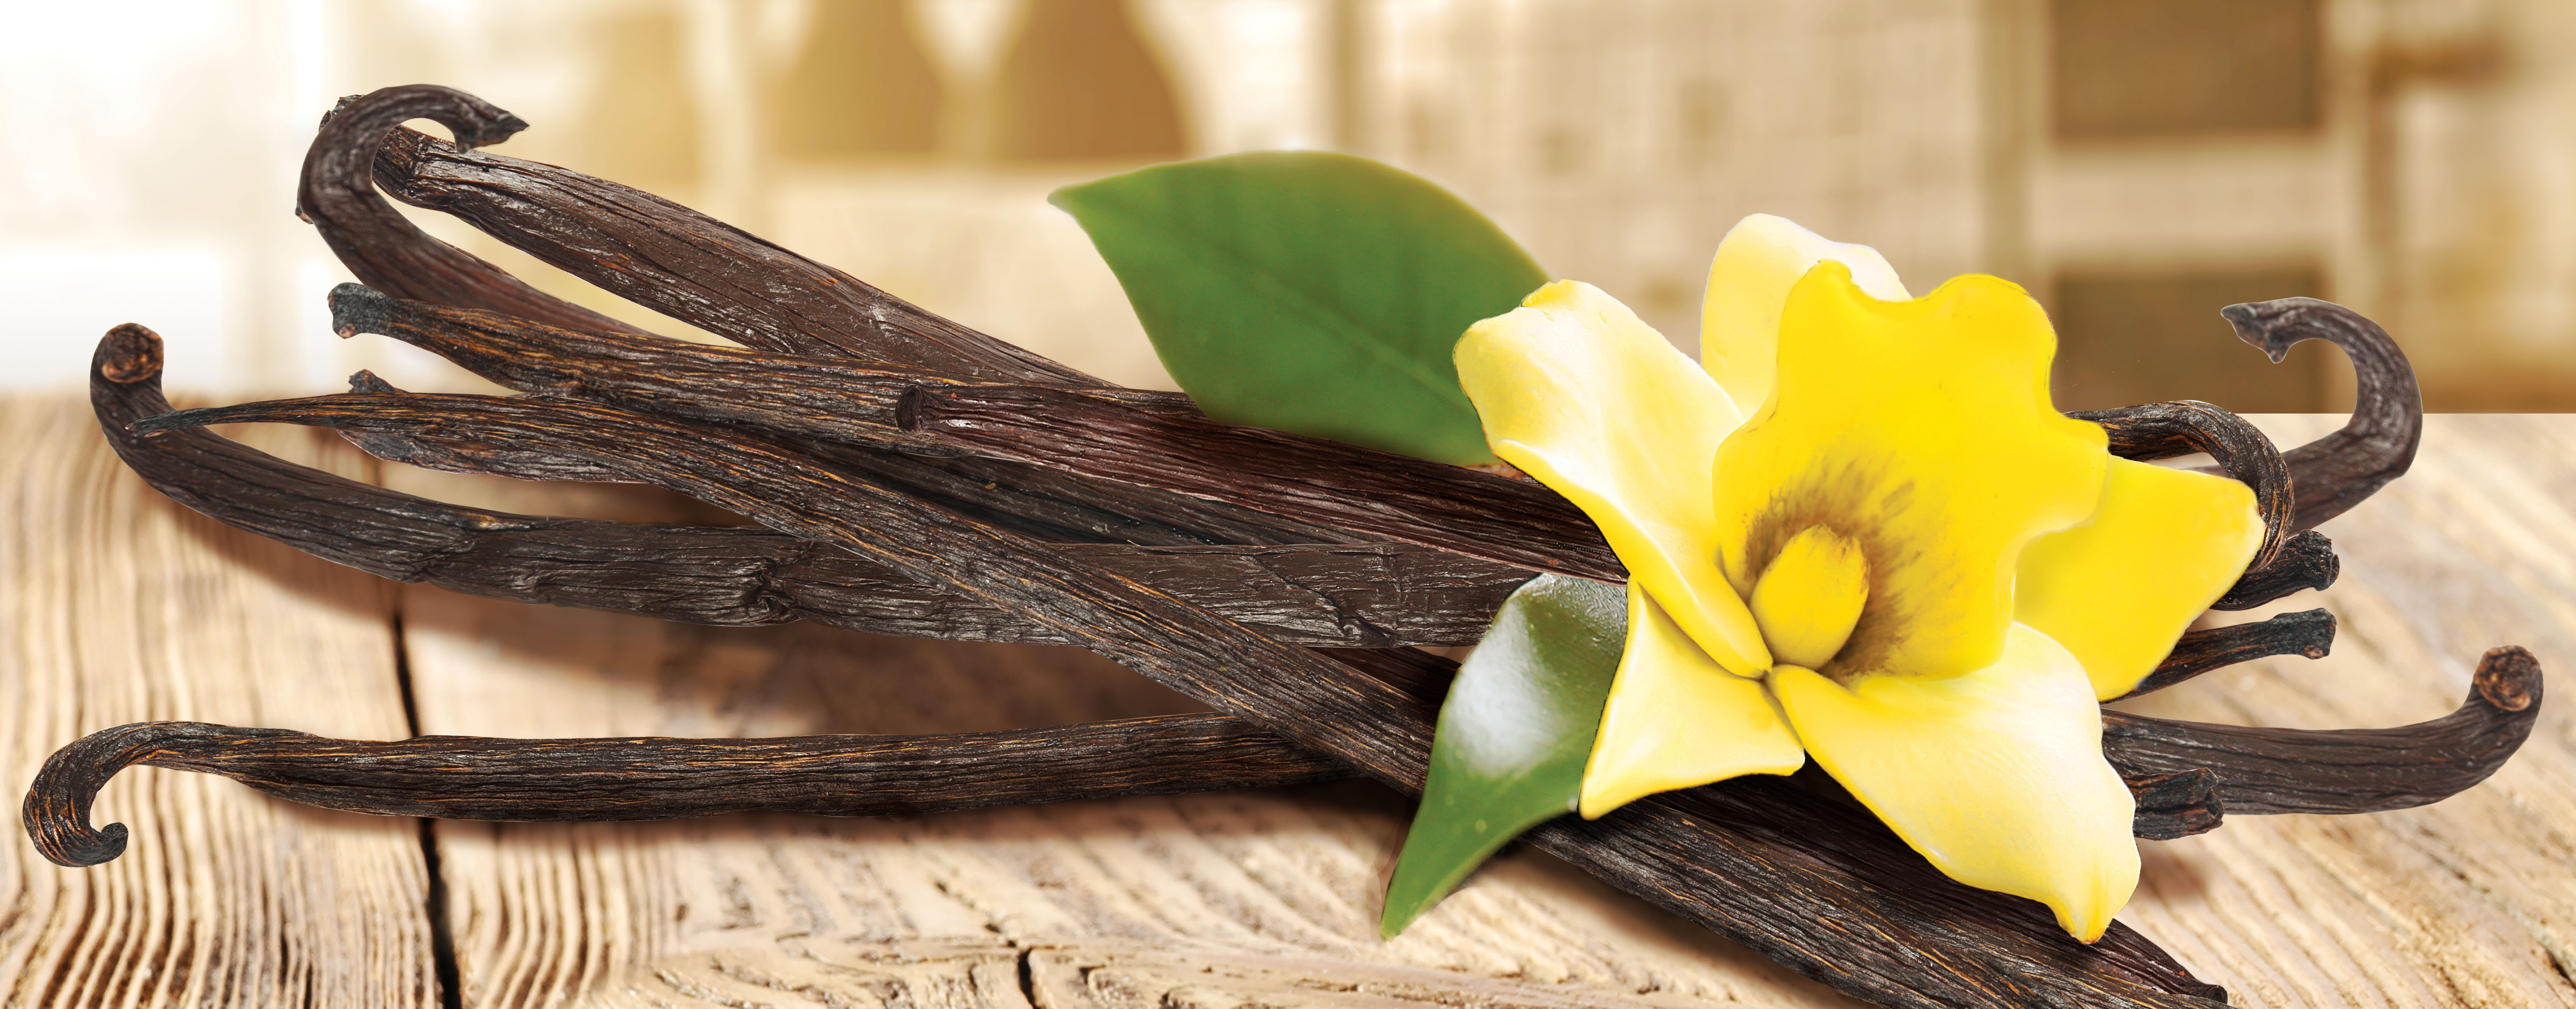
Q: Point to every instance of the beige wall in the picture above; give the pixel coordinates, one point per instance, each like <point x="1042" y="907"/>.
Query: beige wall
<point x="2428" y="178"/>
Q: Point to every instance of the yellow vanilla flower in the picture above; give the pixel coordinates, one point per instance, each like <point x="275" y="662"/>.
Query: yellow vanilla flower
<point x="1905" y="563"/>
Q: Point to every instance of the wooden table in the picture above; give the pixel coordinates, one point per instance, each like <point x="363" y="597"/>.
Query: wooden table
<point x="118" y="606"/>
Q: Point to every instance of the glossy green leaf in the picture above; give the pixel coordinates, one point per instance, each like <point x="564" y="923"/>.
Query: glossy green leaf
<point x="1310" y="292"/>
<point x="1513" y="735"/>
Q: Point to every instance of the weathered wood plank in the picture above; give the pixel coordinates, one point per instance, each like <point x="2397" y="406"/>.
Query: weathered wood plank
<point x="118" y="606"/>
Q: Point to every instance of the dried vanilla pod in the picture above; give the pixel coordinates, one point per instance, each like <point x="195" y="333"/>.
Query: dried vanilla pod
<point x="825" y="399"/>
<point x="828" y="399"/>
<point x="1041" y="501"/>
<point x="660" y="778"/>
<point x="463" y="777"/>
<point x="2308" y="634"/>
<point x="2267" y="771"/>
<point x="1497" y="518"/>
<point x="2306" y="561"/>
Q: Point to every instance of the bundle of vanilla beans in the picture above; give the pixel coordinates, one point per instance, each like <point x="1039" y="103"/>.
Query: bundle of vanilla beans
<point x="914" y="477"/>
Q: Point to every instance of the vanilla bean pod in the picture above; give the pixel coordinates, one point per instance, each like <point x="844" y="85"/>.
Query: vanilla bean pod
<point x="1453" y="508"/>
<point x="1719" y="856"/>
<point x="474" y="778"/>
<point x="469" y="457"/>
<point x="830" y="398"/>
<point x="683" y="264"/>
<point x="2306" y="561"/>
<point x="1361" y="596"/>
<point x="658" y="778"/>
<point x="2338" y="471"/>
<point x="826" y="398"/>
<point x="2309" y="634"/>
<point x="337" y="196"/>
<point x="2264" y="771"/>
<point x="2176" y="805"/>
<point x="1047" y="503"/>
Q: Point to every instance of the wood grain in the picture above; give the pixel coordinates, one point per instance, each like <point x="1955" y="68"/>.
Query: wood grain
<point x="117" y="605"/>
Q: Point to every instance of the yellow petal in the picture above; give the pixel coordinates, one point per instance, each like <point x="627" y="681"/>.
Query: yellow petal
<point x="1675" y="719"/>
<point x="1997" y="777"/>
<point x="1749" y="281"/>
<point x="1578" y="393"/>
<point x="1922" y="431"/>
<point x="2118" y="590"/>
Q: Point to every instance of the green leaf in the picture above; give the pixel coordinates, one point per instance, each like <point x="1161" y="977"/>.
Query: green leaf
<point x="1310" y="292"/>
<point x="1513" y="736"/>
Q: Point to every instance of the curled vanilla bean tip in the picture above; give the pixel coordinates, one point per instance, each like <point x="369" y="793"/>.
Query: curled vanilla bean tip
<point x="128" y="354"/>
<point x="475" y="122"/>
<point x="357" y="308"/>
<point x="2307" y="561"/>
<point x="2334" y="473"/>
<point x="2508" y="678"/>
<point x="337" y="195"/>
<point x="56" y="814"/>
<point x="2175" y="805"/>
<point x="2337" y="771"/>
<point x="2309" y="634"/>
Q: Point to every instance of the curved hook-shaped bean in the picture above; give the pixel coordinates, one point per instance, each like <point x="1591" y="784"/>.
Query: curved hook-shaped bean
<point x="573" y="780"/>
<point x="337" y="194"/>
<point x="2334" y="473"/>
<point x="2264" y="771"/>
<point x="56" y="813"/>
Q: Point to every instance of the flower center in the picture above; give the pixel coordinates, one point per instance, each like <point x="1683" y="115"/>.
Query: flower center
<point x="1809" y="598"/>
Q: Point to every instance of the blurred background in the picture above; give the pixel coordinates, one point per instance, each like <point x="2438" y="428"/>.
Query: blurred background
<point x="2135" y="164"/>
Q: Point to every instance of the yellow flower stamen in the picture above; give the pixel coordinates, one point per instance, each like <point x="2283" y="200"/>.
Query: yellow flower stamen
<point x="1809" y="598"/>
